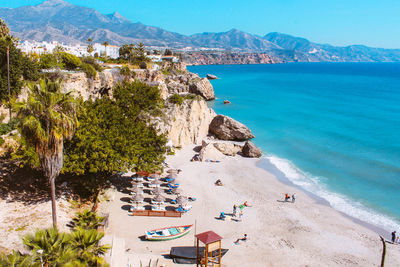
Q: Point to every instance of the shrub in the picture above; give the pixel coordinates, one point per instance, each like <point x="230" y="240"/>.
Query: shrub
<point x="143" y="65"/>
<point x="87" y="220"/>
<point x="48" y="61"/>
<point x="176" y="99"/>
<point x="92" y="61"/>
<point x="168" y="52"/>
<point x="89" y="70"/>
<point x="125" y="71"/>
<point x="69" y="61"/>
<point x="5" y="128"/>
<point x="2" y="141"/>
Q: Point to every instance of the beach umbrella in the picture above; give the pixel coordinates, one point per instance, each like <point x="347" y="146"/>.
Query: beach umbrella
<point x="159" y="198"/>
<point x="136" y="190"/>
<point x="176" y="191"/>
<point x="156" y="182"/>
<point x="181" y="200"/>
<point x="172" y="175"/>
<point x="157" y="191"/>
<point x="137" y="199"/>
<point x="155" y="176"/>
<point x="172" y="171"/>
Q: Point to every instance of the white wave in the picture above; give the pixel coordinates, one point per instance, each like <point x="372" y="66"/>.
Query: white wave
<point x="337" y="201"/>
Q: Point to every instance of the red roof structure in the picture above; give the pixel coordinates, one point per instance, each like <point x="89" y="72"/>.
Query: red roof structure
<point x="208" y="237"/>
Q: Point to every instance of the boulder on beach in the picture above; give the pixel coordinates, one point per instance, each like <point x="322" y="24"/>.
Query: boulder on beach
<point x="202" y="87"/>
<point x="228" y="149"/>
<point x="209" y="152"/>
<point x="226" y="128"/>
<point x="211" y="77"/>
<point x="251" y="151"/>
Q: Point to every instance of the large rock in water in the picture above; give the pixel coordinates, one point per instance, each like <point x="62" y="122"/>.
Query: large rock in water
<point x="226" y="128"/>
<point x="211" y="77"/>
<point x="202" y="87"/>
<point x="251" y="151"/>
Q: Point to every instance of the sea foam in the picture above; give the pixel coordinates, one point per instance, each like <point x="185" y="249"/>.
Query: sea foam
<point x="339" y="202"/>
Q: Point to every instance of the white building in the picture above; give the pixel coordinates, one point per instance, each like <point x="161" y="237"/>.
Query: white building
<point x="112" y="50"/>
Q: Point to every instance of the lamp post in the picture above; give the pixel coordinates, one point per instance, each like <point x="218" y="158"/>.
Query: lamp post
<point x="40" y="251"/>
<point x="8" y="79"/>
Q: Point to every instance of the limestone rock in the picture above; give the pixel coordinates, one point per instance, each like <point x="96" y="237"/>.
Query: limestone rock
<point x="187" y="123"/>
<point x="228" y="149"/>
<point x="211" y="77"/>
<point x="251" y="151"/>
<point x="226" y="128"/>
<point x="209" y="152"/>
<point x="202" y="87"/>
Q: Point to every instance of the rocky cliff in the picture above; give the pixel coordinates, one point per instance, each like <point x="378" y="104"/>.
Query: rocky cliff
<point x="227" y="58"/>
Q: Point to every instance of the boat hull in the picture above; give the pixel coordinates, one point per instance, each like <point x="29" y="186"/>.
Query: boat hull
<point x="153" y="237"/>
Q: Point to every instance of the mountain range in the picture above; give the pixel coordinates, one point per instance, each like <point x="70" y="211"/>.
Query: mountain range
<point x="64" y="22"/>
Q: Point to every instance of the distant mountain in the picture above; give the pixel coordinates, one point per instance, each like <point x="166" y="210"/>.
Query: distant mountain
<point x="300" y="49"/>
<point x="68" y="23"/>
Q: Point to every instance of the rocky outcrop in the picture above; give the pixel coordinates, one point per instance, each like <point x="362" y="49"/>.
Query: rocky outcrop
<point x="202" y="87"/>
<point x="228" y="149"/>
<point x="224" y="58"/>
<point x="226" y="128"/>
<point x="209" y="152"/>
<point x="211" y="77"/>
<point x="251" y="151"/>
<point x="186" y="123"/>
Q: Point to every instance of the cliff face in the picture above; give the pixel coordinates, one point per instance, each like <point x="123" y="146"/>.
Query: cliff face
<point x="187" y="123"/>
<point x="226" y="58"/>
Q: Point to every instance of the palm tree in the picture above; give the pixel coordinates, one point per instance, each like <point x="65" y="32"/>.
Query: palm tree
<point x="4" y="30"/>
<point x="87" y="220"/>
<point x="105" y="47"/>
<point x="15" y="259"/>
<point x="46" y="119"/>
<point x="86" y="244"/>
<point x="50" y="247"/>
<point x="90" y="48"/>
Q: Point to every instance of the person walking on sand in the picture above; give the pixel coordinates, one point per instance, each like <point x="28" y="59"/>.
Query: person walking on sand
<point x="240" y="215"/>
<point x="287" y="197"/>
<point x="393" y="236"/>
<point x="234" y="210"/>
<point x="293" y="198"/>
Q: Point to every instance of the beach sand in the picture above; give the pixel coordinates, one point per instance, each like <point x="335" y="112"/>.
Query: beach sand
<point x="304" y="233"/>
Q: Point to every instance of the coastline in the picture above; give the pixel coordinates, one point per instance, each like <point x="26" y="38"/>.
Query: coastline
<point x="306" y="232"/>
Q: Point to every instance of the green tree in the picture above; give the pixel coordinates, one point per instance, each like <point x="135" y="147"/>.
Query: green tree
<point x="140" y="53"/>
<point x="168" y="52"/>
<point x="70" y="62"/>
<point x="114" y="135"/>
<point x="90" y="48"/>
<point x="4" y="30"/>
<point x="126" y="72"/>
<point x="46" y="119"/>
<point x="48" y="61"/>
<point x="105" y="48"/>
<point x="21" y="67"/>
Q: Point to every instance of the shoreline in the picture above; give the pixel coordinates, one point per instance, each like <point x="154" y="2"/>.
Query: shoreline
<point x="279" y="233"/>
<point x="280" y="176"/>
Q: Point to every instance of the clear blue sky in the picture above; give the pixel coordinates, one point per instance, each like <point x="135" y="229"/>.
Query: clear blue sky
<point x="338" y="22"/>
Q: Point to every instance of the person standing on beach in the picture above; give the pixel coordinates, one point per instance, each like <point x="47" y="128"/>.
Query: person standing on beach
<point x="234" y="210"/>
<point x="240" y="215"/>
<point x="393" y="236"/>
<point x="287" y="197"/>
<point x="293" y="198"/>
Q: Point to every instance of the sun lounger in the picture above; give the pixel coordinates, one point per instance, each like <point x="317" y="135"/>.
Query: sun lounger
<point x="173" y="185"/>
<point x="181" y="209"/>
<point x="153" y="185"/>
<point x="169" y="179"/>
<point x="156" y="208"/>
<point x="137" y="208"/>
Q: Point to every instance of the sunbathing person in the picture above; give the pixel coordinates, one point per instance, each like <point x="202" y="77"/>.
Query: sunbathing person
<point x="218" y="183"/>
<point x="244" y="239"/>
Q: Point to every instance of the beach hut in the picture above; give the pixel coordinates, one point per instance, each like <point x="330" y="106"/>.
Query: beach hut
<point x="211" y="255"/>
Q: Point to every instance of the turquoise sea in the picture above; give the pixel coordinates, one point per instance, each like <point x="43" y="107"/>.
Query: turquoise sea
<point x="331" y="128"/>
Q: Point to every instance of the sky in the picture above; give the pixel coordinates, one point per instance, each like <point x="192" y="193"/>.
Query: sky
<point x="374" y="23"/>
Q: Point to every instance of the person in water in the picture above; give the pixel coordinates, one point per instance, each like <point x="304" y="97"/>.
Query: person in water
<point x="393" y="236"/>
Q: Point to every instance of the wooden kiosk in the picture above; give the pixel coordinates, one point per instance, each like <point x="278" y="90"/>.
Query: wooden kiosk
<point x="211" y="255"/>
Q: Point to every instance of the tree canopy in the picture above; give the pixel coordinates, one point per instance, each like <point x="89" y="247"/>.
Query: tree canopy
<point x="114" y="135"/>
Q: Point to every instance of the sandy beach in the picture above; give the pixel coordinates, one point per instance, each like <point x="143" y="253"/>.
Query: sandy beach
<point x="304" y="233"/>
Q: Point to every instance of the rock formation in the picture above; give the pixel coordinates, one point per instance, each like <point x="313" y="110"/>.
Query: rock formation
<point x="209" y="152"/>
<point x="226" y="128"/>
<point x="228" y="149"/>
<point x="202" y="87"/>
<point x="211" y="77"/>
<point x="251" y="151"/>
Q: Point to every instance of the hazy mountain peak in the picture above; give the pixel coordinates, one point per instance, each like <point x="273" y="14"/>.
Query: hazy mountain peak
<point x="52" y="3"/>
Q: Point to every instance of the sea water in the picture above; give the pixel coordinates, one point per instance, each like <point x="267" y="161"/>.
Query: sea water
<point x="331" y="128"/>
